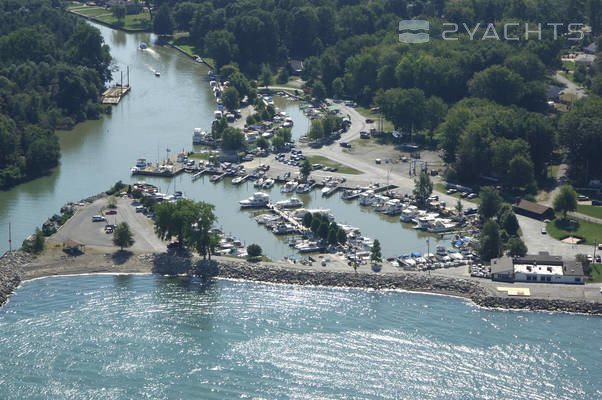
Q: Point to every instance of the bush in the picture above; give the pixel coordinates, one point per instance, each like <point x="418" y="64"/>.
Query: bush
<point x="254" y="251"/>
<point x="117" y="187"/>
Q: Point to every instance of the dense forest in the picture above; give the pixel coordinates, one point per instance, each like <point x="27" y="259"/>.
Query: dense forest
<point x="52" y="72"/>
<point x="482" y="101"/>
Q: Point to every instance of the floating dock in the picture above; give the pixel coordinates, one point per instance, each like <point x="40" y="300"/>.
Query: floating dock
<point x="114" y="94"/>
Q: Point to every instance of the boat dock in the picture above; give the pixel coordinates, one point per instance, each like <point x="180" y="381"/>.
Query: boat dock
<point x="287" y="217"/>
<point x="331" y="191"/>
<point x="169" y="167"/>
<point x="114" y="94"/>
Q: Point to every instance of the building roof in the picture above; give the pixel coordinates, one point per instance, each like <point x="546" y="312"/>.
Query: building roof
<point x="541" y="258"/>
<point x="502" y="265"/>
<point x="585" y="58"/>
<point x="572" y="268"/>
<point x="533" y="207"/>
<point x="296" y="65"/>
<point x="591" y="48"/>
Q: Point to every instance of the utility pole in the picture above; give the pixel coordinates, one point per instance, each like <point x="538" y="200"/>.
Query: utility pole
<point x="10" y="241"/>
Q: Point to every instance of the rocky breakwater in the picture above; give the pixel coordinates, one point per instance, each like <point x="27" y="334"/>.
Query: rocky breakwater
<point x="185" y="264"/>
<point x="10" y="272"/>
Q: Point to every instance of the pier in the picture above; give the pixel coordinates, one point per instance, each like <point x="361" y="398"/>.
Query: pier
<point x="114" y="94"/>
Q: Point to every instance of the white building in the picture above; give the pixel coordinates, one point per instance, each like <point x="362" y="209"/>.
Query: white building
<point x="537" y="268"/>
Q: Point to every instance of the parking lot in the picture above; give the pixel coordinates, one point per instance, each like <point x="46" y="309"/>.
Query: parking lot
<point x="81" y="228"/>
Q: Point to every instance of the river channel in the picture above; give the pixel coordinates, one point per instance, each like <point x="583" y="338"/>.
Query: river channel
<point x="160" y="113"/>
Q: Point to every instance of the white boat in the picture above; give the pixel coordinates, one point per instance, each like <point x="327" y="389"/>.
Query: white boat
<point x="325" y="190"/>
<point x="441" y="225"/>
<point x="259" y="199"/>
<point x="157" y="74"/>
<point x="408" y="214"/>
<point x="268" y="183"/>
<point x="300" y="213"/>
<point x="366" y="198"/>
<point x="284" y="229"/>
<point x="289" y="187"/>
<point x="350" y="194"/>
<point x="142" y="46"/>
<point x="393" y="207"/>
<point x="141" y="163"/>
<point x="266" y="218"/>
<point x="199" y="136"/>
<point x="307" y="247"/>
<point x="258" y="183"/>
<point x="238" y="180"/>
<point x="293" y="202"/>
<point x="134" y="170"/>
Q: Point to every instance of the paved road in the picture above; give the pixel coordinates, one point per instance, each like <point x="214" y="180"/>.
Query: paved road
<point x="571" y="88"/>
<point x="81" y="228"/>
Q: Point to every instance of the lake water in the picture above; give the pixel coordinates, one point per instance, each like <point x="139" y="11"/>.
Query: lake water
<point x="134" y="337"/>
<point x="160" y="114"/>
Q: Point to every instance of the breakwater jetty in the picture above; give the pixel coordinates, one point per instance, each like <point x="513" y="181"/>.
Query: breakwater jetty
<point x="10" y="272"/>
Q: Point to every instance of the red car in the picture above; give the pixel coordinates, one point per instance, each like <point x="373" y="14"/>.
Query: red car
<point x="369" y="120"/>
<point x="111" y="212"/>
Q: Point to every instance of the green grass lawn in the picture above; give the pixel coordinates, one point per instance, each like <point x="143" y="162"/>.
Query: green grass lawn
<point x="201" y="156"/>
<point x="327" y="162"/>
<point x="136" y="22"/>
<point x="366" y="113"/>
<point x="596" y="273"/>
<point x="590" y="232"/>
<point x="592" y="211"/>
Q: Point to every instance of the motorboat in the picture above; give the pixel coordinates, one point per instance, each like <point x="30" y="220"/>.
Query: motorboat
<point x="268" y="183"/>
<point x="157" y="74"/>
<point x="366" y="198"/>
<point x="293" y="202"/>
<point x="284" y="229"/>
<point x="303" y="188"/>
<point x="259" y="199"/>
<point x="141" y="163"/>
<point x="408" y="214"/>
<point x="142" y="46"/>
<point x="258" y="183"/>
<point x="199" y="136"/>
<point x="266" y="219"/>
<point x="350" y="194"/>
<point x="238" y="180"/>
<point x="307" y="247"/>
<point x="393" y="207"/>
<point x="289" y="187"/>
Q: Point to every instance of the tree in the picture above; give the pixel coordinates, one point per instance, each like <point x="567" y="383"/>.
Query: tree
<point x="283" y="75"/>
<point x="516" y="247"/>
<point x="307" y="220"/>
<point x="163" y="23"/>
<point x="266" y="75"/>
<point x="177" y="219"/>
<point x="490" y="241"/>
<point x="520" y="173"/>
<point x="122" y="236"/>
<point x="338" y="87"/>
<point x="221" y="46"/>
<point x="459" y="207"/>
<point x="323" y="229"/>
<point x="137" y="194"/>
<point x="254" y="251"/>
<point x="404" y="107"/>
<point x="231" y="98"/>
<point x="497" y="83"/>
<point x="262" y="143"/>
<point x="341" y="236"/>
<point x="423" y="188"/>
<point x="332" y="235"/>
<point x="286" y="134"/>
<point x="375" y="253"/>
<point x="316" y="131"/>
<point x="510" y="223"/>
<point x="233" y="139"/>
<point x="566" y="200"/>
<point x="277" y="142"/>
<point x="305" y="168"/>
<point x="119" y="11"/>
<point x="319" y="91"/>
<point x="490" y="202"/>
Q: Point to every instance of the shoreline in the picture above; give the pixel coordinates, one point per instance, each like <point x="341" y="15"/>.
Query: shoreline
<point x="17" y="268"/>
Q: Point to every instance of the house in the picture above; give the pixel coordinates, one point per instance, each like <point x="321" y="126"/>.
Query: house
<point x="533" y="210"/>
<point x="296" y="66"/>
<point x="554" y="92"/>
<point x="585" y="59"/>
<point x="541" y="268"/>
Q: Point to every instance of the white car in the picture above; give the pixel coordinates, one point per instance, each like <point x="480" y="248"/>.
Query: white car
<point x="543" y="231"/>
<point x="98" y="218"/>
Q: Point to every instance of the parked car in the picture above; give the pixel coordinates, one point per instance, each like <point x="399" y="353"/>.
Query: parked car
<point x="98" y="218"/>
<point x="543" y="231"/>
<point x="110" y="212"/>
<point x="473" y="196"/>
<point x="369" y="121"/>
<point x="345" y="145"/>
<point x="378" y="161"/>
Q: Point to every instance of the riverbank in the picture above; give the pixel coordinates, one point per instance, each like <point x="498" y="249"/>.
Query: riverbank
<point x="17" y="266"/>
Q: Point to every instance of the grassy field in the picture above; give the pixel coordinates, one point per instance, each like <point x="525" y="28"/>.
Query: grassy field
<point x="327" y="162"/>
<point x="596" y="273"/>
<point x="590" y="232"/>
<point x="201" y="156"/>
<point x="365" y="112"/>
<point x="592" y="211"/>
<point x="136" y="22"/>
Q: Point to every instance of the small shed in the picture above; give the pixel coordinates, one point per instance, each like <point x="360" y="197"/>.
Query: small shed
<point x="73" y="246"/>
<point x="533" y="210"/>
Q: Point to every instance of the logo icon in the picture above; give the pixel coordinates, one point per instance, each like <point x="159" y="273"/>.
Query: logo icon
<point x="413" y="26"/>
